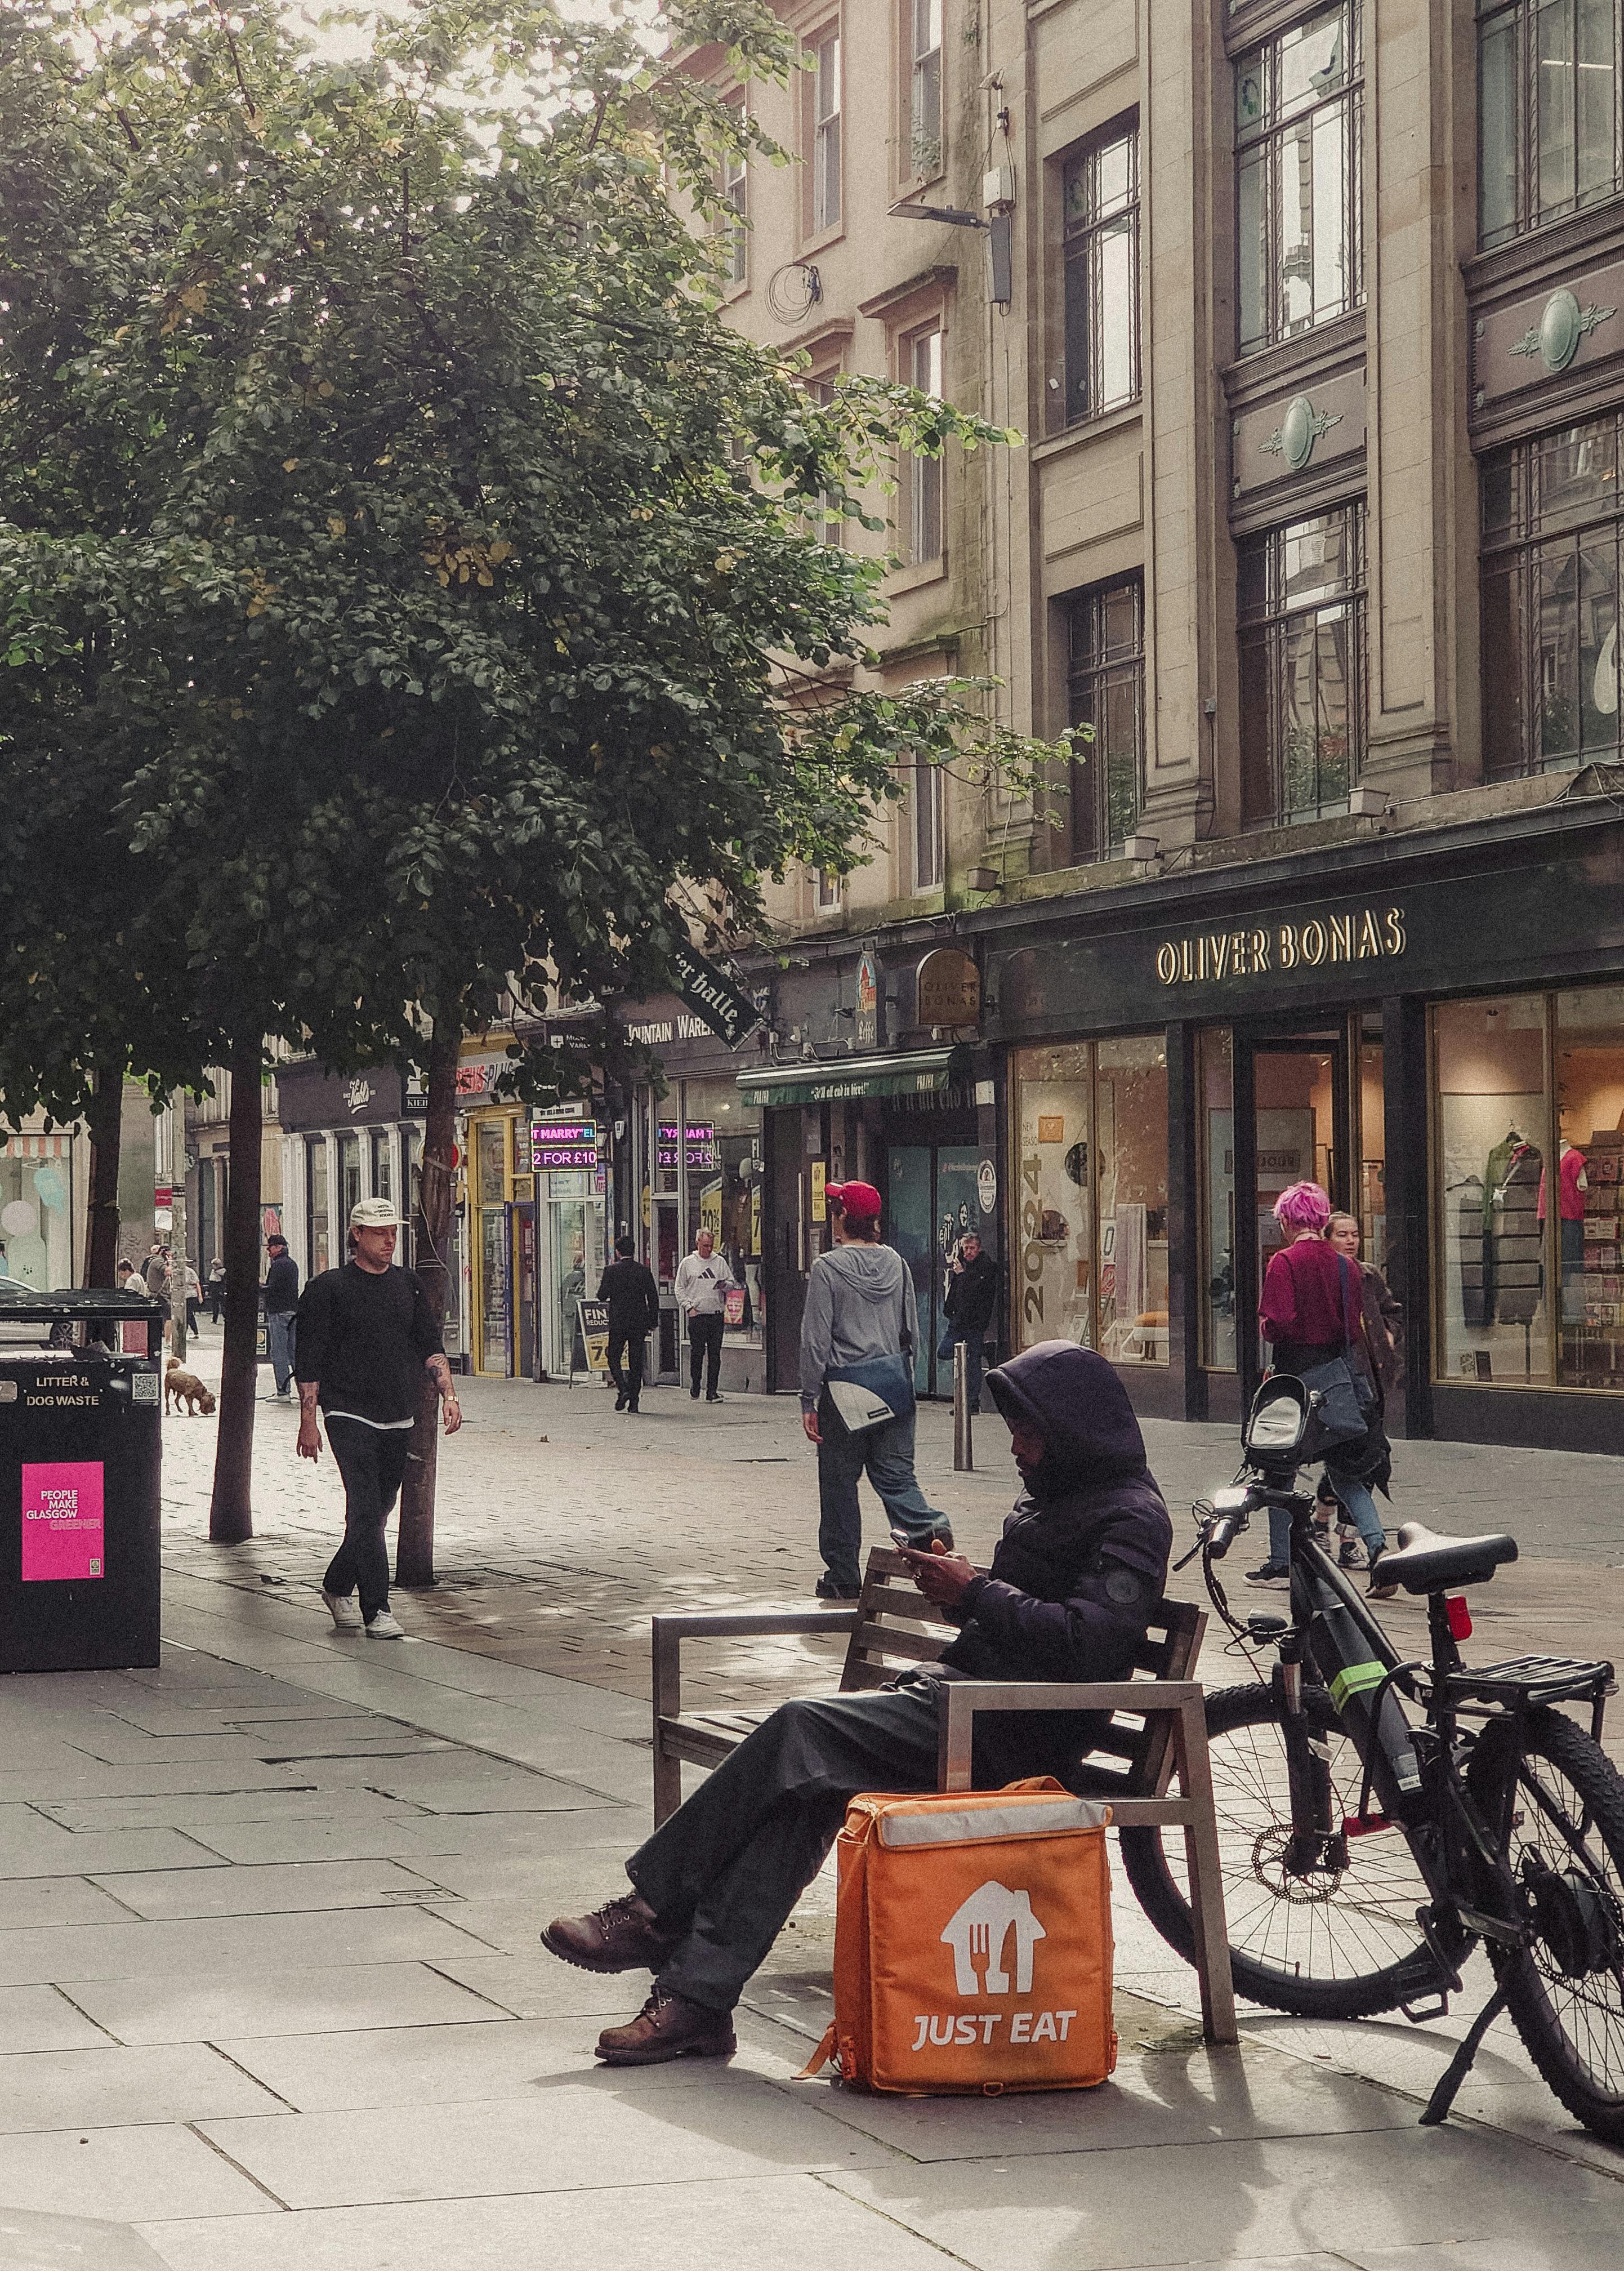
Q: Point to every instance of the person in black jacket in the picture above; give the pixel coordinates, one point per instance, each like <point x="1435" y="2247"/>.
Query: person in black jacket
<point x="633" y="1300"/>
<point x="281" y="1290"/>
<point x="972" y="1293"/>
<point x="1069" y="1597"/>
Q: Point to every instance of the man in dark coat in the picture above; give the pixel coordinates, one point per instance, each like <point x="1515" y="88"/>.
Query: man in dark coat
<point x="628" y="1287"/>
<point x="972" y="1294"/>
<point x="1074" y="1580"/>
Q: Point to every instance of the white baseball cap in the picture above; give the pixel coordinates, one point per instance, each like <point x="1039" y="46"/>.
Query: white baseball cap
<point x="373" y="1214"/>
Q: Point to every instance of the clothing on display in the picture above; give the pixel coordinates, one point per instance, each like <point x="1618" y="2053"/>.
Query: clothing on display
<point x="1516" y="1239"/>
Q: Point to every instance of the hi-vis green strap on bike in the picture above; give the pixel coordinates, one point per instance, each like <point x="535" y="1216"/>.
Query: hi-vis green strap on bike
<point x="1378" y="1818"/>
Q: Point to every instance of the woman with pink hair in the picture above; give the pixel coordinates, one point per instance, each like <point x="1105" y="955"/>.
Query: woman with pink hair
<point x="1311" y="1313"/>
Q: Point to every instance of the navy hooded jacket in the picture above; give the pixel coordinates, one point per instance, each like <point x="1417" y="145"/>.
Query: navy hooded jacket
<point x="1083" y="1558"/>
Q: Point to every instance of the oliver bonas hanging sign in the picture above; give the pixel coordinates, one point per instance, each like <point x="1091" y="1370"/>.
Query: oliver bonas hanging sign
<point x="1210" y="957"/>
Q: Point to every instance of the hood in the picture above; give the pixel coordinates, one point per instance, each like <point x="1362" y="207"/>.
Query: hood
<point x="875" y="1272"/>
<point x="1075" y="1400"/>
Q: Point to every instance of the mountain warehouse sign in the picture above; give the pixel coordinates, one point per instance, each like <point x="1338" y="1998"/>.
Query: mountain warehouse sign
<point x="1354" y="935"/>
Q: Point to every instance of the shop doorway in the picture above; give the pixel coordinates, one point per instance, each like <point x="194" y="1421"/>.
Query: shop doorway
<point x="933" y="1206"/>
<point x="1307" y="1106"/>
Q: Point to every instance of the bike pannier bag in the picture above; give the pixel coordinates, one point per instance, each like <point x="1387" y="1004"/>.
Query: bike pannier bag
<point x="973" y="1942"/>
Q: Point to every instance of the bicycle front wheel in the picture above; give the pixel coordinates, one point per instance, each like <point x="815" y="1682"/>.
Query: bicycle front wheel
<point x="1566" y="1849"/>
<point x="1337" y="1946"/>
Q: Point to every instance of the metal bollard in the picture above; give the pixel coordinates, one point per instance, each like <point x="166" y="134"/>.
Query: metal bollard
<point x="963" y="1450"/>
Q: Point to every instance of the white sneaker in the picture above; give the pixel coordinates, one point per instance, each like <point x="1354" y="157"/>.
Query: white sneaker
<point x="346" y="1613"/>
<point x="384" y="1626"/>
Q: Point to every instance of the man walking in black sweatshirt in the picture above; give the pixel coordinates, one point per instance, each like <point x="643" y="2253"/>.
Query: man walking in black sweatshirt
<point x="628" y="1286"/>
<point x="365" y="1334"/>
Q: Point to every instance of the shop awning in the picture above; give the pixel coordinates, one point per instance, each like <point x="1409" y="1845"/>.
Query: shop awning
<point x="920" y="1072"/>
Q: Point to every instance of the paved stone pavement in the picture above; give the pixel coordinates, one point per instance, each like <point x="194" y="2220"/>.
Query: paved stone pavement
<point x="271" y="1998"/>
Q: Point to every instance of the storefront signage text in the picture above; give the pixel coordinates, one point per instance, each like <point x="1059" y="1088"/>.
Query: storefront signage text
<point x="701" y="1145"/>
<point x="563" y="1144"/>
<point x="666" y="1030"/>
<point x="1359" y="934"/>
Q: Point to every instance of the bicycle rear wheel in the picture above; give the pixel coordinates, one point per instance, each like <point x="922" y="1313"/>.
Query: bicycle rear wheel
<point x="1333" y="1947"/>
<point x="1566" y="1848"/>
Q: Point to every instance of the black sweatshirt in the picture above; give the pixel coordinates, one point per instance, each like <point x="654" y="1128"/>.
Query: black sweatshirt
<point x="363" y="1337"/>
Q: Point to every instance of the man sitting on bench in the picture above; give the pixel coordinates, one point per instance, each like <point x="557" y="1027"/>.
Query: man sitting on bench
<point x="1074" y="1579"/>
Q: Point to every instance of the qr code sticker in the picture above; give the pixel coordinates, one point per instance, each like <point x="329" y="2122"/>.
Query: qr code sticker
<point x="143" y="1387"/>
<point x="95" y="1568"/>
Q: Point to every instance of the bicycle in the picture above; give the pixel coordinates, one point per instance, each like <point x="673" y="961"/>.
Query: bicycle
<point x="1497" y="1818"/>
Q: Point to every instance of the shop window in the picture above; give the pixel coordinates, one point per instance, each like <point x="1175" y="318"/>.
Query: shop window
<point x="1107" y="695"/>
<point x="724" y="1190"/>
<point x="1590" y="1125"/>
<point x="383" y="1177"/>
<point x="1494" y="1139"/>
<point x="1217" y="1139"/>
<point x="923" y="109"/>
<point x="1548" y="112"/>
<point x="349" y="1174"/>
<point x="318" y="1253"/>
<point x="1298" y="115"/>
<point x="1550" y="531"/>
<point x="36" y="1216"/>
<point x="922" y="477"/>
<point x="1302" y="612"/>
<point x="824" y="102"/>
<point x="1101" y="224"/>
<point x="1091" y="1198"/>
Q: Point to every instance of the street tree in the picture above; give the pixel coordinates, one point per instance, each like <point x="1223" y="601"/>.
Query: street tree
<point x="450" y="570"/>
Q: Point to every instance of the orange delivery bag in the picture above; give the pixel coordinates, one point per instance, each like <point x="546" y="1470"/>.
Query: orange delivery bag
<point x="973" y="1942"/>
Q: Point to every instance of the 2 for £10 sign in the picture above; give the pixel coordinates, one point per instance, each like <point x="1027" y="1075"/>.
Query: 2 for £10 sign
<point x="61" y="1520"/>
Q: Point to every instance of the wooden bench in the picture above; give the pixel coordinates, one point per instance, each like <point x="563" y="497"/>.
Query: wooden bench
<point x="1157" y="1729"/>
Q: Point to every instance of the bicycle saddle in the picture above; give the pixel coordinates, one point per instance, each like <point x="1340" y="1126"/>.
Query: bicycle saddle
<point x="1424" y="1561"/>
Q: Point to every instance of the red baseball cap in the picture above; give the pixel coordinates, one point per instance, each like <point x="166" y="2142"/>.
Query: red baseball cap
<point x="859" y="1199"/>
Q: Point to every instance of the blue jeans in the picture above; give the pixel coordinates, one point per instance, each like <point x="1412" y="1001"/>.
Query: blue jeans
<point x="887" y="1455"/>
<point x="952" y="1334"/>
<point x="279" y="1331"/>
<point x="1360" y="1510"/>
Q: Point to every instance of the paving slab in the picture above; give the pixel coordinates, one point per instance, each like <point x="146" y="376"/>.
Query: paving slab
<point x="220" y="2006"/>
<point x="32" y="2242"/>
<point x="199" y="1815"/>
<point x="1122" y="2210"/>
<point x="272" y="1890"/>
<point x="790" y="2223"/>
<point x="112" y="2088"/>
<point x="60" y="1900"/>
<point x="43" y="2019"/>
<point x="203" y="1946"/>
<point x="564" y="2138"/>
<point x="130" y="2174"/>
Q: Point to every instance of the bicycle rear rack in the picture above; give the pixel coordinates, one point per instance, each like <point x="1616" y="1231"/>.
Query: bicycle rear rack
<point x="1523" y="1679"/>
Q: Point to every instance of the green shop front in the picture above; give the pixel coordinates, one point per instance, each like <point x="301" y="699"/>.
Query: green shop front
<point x="1431" y="1026"/>
<point x="921" y="1124"/>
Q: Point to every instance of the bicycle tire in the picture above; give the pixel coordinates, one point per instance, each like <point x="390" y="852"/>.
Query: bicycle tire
<point x="1376" y="1918"/>
<point x="1537" y="1994"/>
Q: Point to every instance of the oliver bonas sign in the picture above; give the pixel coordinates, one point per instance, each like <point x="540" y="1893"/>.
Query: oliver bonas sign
<point x="1259" y="950"/>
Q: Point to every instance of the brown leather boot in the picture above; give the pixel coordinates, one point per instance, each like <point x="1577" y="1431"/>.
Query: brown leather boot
<point x="668" y="2027"/>
<point x="623" y="1935"/>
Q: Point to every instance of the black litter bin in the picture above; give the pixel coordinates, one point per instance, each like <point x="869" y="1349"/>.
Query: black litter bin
<point x="80" y="1429"/>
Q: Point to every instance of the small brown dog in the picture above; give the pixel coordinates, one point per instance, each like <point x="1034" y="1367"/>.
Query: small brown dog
<point x="185" y="1387"/>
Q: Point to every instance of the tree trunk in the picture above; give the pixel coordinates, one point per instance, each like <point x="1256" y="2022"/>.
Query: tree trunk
<point x="107" y="1130"/>
<point x="180" y="1331"/>
<point x="431" y="1224"/>
<point x="231" y="1510"/>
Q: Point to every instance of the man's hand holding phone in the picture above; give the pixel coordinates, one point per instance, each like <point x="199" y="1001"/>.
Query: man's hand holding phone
<point x="941" y="1576"/>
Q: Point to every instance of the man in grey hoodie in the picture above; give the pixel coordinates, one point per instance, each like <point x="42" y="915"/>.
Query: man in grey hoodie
<point x="859" y="1305"/>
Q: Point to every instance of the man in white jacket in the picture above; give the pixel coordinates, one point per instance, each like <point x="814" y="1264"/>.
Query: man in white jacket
<point x="703" y="1280"/>
<point x="860" y="1308"/>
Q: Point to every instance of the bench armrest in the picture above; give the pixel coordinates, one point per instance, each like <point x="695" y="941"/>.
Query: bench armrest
<point x="726" y="1624"/>
<point x="958" y="1701"/>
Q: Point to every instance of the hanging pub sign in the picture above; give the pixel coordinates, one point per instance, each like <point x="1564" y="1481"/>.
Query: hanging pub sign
<point x="949" y="988"/>
<point x="732" y="1015"/>
<point x="868" y="1034"/>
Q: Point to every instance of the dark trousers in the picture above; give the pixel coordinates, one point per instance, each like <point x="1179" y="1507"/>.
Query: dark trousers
<point x="731" y="1863"/>
<point x="373" y="1464"/>
<point x="626" y="1363"/>
<point x="885" y="1455"/>
<point x="705" y="1351"/>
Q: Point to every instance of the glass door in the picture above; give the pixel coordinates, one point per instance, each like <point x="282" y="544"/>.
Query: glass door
<point x="1293" y="1121"/>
